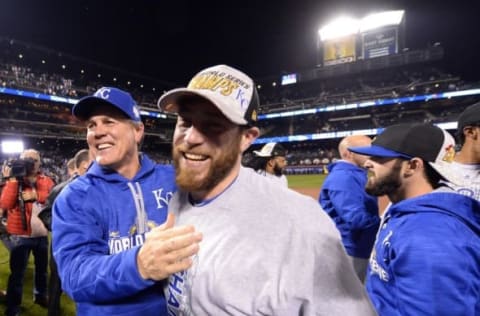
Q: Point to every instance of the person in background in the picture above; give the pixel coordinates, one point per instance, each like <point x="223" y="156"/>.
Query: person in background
<point x="112" y="241"/>
<point x="354" y="212"/>
<point x="71" y="169"/>
<point x="81" y="161"/>
<point x="267" y="250"/>
<point x="270" y="161"/>
<point x="426" y="258"/>
<point x="467" y="160"/>
<point x="22" y="196"/>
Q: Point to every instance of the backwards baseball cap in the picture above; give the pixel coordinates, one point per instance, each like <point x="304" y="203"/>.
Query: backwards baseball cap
<point x="426" y="141"/>
<point x="107" y="95"/>
<point x="270" y="150"/>
<point x="230" y="90"/>
<point x="469" y="116"/>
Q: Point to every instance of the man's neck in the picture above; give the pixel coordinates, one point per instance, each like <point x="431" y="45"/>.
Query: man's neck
<point x="199" y="196"/>
<point x="411" y="190"/>
<point x="466" y="157"/>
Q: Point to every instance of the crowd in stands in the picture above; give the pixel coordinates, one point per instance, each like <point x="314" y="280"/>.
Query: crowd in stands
<point x="16" y="76"/>
<point x="27" y="67"/>
<point x="380" y="84"/>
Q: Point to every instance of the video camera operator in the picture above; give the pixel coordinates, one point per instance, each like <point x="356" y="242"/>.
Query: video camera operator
<point x="23" y="195"/>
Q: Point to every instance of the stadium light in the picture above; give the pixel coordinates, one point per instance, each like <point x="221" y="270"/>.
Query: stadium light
<point x="344" y="26"/>
<point x="12" y="146"/>
<point x="339" y="27"/>
<point x="377" y="20"/>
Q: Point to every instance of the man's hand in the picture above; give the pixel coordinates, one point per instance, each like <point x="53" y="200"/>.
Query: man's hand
<point x="167" y="250"/>
<point x="6" y="170"/>
<point x="30" y="195"/>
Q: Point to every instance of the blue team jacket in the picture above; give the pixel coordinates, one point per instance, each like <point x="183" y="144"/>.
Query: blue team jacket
<point x="426" y="259"/>
<point x="99" y="222"/>
<point x="354" y="212"/>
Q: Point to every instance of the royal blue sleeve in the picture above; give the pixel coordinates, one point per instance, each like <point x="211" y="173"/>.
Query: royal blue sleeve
<point x="345" y="196"/>
<point x="87" y="271"/>
<point x="434" y="272"/>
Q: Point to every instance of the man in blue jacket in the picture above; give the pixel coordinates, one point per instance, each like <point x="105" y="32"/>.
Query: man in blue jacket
<point x="426" y="259"/>
<point x="110" y="247"/>
<point x="354" y="212"/>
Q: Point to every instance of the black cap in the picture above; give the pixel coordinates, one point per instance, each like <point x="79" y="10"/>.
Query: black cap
<point x="469" y="116"/>
<point x="407" y="140"/>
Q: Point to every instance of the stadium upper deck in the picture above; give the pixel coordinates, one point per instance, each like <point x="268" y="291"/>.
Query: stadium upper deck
<point x="382" y="96"/>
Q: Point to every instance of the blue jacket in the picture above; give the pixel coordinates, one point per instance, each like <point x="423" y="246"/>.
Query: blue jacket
<point x="426" y="260"/>
<point x="99" y="223"/>
<point x="354" y="212"/>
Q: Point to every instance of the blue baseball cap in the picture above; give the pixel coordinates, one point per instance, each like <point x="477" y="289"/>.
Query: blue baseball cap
<point x="107" y="95"/>
<point x="378" y="151"/>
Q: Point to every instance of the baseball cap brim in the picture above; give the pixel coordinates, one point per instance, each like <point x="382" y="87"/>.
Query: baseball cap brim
<point x="258" y="153"/>
<point x="378" y="151"/>
<point x="169" y="103"/>
<point x="85" y="106"/>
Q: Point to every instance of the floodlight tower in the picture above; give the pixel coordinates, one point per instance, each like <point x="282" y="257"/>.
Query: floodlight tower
<point x="380" y="34"/>
<point x="347" y="39"/>
<point x="337" y="41"/>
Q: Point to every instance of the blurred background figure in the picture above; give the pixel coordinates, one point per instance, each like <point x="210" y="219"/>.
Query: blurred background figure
<point x="23" y="196"/>
<point x="71" y="167"/>
<point x="354" y="212"/>
<point x="467" y="161"/>
<point x="81" y="162"/>
<point x="271" y="161"/>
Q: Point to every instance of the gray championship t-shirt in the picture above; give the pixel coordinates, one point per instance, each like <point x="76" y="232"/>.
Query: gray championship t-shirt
<point x="266" y="250"/>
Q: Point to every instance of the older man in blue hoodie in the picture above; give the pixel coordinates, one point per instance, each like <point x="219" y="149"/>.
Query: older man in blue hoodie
<point x="112" y="238"/>
<point x="354" y="212"/>
<point x="426" y="258"/>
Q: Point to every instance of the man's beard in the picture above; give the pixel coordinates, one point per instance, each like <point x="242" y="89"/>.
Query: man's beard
<point x="220" y="167"/>
<point x="386" y="185"/>
<point x="277" y="171"/>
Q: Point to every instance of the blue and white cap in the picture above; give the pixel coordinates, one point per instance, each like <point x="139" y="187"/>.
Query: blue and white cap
<point x="107" y="95"/>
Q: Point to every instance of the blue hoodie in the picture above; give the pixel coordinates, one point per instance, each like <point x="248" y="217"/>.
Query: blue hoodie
<point x="354" y="212"/>
<point x="99" y="223"/>
<point x="426" y="259"/>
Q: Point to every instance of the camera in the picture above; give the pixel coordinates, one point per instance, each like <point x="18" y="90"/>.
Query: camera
<point x="21" y="167"/>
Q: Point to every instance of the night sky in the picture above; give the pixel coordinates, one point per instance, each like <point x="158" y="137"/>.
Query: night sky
<point x="171" y="40"/>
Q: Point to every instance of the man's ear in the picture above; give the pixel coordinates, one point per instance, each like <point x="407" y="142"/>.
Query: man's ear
<point x="271" y="162"/>
<point x="470" y="131"/>
<point x="139" y="133"/>
<point x="413" y="165"/>
<point x="248" y="137"/>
